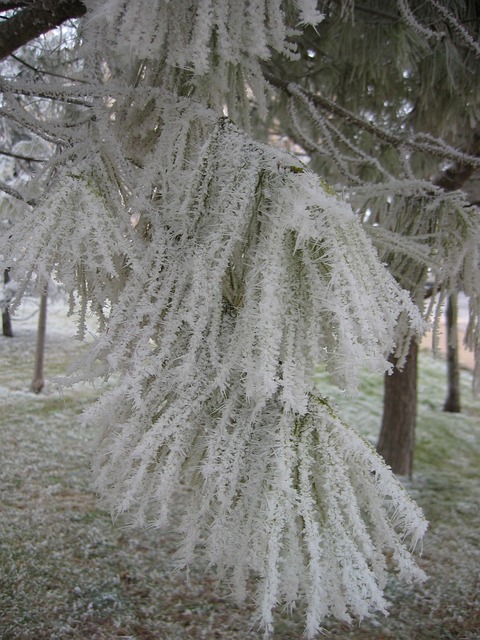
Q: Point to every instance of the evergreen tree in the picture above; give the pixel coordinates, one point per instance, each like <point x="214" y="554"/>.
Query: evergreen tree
<point x="400" y="76"/>
<point x="223" y="272"/>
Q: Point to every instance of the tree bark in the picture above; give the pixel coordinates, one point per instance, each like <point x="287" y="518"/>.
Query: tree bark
<point x="452" y="401"/>
<point x="6" y="320"/>
<point x="7" y="324"/>
<point x="38" y="381"/>
<point x="33" y="20"/>
<point x="397" y="436"/>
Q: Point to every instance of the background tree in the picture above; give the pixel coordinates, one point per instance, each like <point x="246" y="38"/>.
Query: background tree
<point x="223" y="271"/>
<point x="384" y="70"/>
<point x="5" y="299"/>
<point x="23" y="153"/>
<point x="38" y="381"/>
<point x="452" y="401"/>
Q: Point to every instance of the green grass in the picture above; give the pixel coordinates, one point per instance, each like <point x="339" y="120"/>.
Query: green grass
<point x="445" y="442"/>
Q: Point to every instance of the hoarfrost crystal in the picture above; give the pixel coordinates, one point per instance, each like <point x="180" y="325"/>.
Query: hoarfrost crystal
<point x="231" y="272"/>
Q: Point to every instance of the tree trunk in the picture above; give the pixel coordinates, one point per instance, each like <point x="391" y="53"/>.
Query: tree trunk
<point x="452" y="402"/>
<point x="34" y="19"/>
<point x="6" y="320"/>
<point x="38" y="381"/>
<point x="397" y="436"/>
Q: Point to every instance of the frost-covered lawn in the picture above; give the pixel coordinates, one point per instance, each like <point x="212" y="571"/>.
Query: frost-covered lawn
<point x="67" y="571"/>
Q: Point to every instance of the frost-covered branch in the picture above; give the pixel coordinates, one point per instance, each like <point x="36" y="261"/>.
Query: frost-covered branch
<point x="230" y="271"/>
<point x="69" y="93"/>
<point x="457" y="27"/>
<point x="252" y="274"/>
<point x="424" y="143"/>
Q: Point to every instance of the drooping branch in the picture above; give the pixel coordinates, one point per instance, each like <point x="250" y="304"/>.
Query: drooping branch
<point x="417" y="142"/>
<point x="264" y="273"/>
<point x="34" y="20"/>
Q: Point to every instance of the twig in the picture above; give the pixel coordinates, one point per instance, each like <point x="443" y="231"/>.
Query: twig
<point x="44" y="72"/>
<point x="19" y="156"/>
<point x="11" y="191"/>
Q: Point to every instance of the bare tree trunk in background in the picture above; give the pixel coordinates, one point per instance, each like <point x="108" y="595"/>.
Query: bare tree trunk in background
<point x="397" y="436"/>
<point x="452" y="402"/>
<point x="38" y="381"/>
<point x="6" y="320"/>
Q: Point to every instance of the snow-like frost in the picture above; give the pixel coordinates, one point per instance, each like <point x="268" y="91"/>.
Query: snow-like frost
<point x="231" y="273"/>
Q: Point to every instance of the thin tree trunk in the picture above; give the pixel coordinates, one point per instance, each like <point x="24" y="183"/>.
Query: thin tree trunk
<point x="397" y="436"/>
<point x="38" y="380"/>
<point x="452" y="402"/>
<point x="6" y="320"/>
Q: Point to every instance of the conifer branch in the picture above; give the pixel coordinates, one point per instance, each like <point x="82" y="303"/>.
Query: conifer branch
<point x="456" y="26"/>
<point x="68" y="94"/>
<point x="35" y="126"/>
<point x="410" y="19"/>
<point x="230" y="272"/>
<point x="424" y="143"/>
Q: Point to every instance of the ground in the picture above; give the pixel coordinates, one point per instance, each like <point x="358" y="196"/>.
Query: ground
<point x="68" y="572"/>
